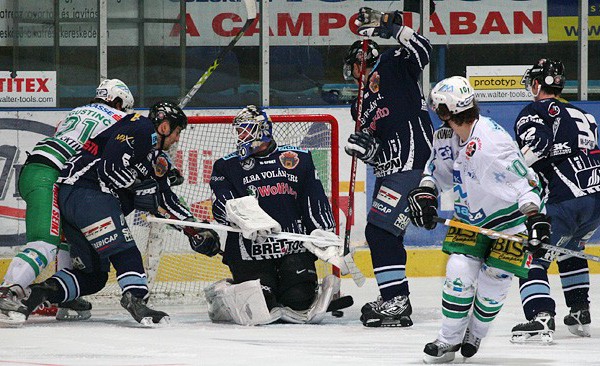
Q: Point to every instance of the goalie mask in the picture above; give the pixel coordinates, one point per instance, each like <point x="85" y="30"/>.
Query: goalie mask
<point x="456" y="93"/>
<point x="252" y="127"/>
<point x="549" y="73"/>
<point x="354" y="55"/>
<point x="111" y="89"/>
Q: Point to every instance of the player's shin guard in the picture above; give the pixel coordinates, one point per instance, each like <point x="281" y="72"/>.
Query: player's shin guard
<point x="130" y="272"/>
<point x="389" y="261"/>
<point x="535" y="293"/>
<point x="29" y="263"/>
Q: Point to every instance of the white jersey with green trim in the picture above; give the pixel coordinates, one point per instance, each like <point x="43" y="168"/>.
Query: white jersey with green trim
<point x="487" y="175"/>
<point x="80" y="125"/>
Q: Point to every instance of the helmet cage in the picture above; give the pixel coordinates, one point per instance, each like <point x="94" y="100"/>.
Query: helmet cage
<point x="355" y="54"/>
<point x="251" y="127"/>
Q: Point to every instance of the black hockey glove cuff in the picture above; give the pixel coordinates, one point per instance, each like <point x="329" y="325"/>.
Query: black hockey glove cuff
<point x="363" y="146"/>
<point x="423" y="204"/>
<point x="538" y="233"/>
<point x="203" y="241"/>
<point x="145" y="196"/>
<point x="373" y="23"/>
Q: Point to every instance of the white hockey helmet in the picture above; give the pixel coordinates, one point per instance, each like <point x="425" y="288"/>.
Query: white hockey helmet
<point x="455" y="92"/>
<point x="110" y="89"/>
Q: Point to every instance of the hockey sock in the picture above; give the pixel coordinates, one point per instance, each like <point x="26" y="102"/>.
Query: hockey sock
<point x="130" y="271"/>
<point x="389" y="261"/>
<point x="535" y="293"/>
<point x="29" y="263"/>
<point x="575" y="280"/>
<point x="76" y="283"/>
<point x="492" y="288"/>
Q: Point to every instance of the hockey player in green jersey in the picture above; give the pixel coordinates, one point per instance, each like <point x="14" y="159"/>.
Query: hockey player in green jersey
<point x="37" y="186"/>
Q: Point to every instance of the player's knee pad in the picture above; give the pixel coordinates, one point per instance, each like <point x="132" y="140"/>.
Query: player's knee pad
<point x="493" y="283"/>
<point x="242" y="303"/>
<point x="375" y="234"/>
<point x="30" y="262"/>
<point x="461" y="275"/>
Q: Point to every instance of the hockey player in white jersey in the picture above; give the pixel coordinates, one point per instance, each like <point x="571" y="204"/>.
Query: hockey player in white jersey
<point x="479" y="162"/>
<point x="37" y="186"/>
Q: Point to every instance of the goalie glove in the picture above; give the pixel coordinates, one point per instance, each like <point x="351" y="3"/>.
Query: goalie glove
<point x="203" y="241"/>
<point x="246" y="214"/>
<point x="538" y="233"/>
<point x="145" y="195"/>
<point x="363" y="146"/>
<point x="373" y="23"/>
<point x="333" y="254"/>
<point x="423" y="204"/>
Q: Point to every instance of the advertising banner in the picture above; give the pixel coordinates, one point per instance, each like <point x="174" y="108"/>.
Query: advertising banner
<point x="499" y="83"/>
<point x="28" y="89"/>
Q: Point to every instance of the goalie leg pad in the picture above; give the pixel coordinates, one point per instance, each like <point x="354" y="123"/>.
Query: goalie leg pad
<point x="329" y="287"/>
<point x="30" y="262"/>
<point x="242" y="304"/>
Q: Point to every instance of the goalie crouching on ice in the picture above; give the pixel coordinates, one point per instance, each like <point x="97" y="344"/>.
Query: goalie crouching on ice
<point x="264" y="188"/>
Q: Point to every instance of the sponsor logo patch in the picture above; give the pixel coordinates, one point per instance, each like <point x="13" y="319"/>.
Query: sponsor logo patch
<point x="55" y="219"/>
<point x="388" y="196"/>
<point x="248" y="164"/>
<point x="99" y="228"/>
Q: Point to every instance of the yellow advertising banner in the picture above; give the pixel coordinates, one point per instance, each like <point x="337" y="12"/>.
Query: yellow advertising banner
<point x="567" y="28"/>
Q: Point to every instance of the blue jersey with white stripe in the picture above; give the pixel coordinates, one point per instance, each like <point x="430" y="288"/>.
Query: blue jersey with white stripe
<point x="287" y="187"/>
<point x="394" y="109"/>
<point x="560" y="142"/>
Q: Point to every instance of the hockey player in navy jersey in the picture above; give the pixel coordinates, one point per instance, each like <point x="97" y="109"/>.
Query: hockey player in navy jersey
<point x="122" y="168"/>
<point x="395" y="139"/>
<point x="281" y="191"/>
<point x="560" y="142"/>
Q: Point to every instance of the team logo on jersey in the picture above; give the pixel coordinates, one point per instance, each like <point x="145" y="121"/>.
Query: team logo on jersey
<point x="248" y="164"/>
<point x="472" y="147"/>
<point x="553" y="110"/>
<point x="374" y="82"/>
<point x="289" y="159"/>
<point x="161" y="166"/>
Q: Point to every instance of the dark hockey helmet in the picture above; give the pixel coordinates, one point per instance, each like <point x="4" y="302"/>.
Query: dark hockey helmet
<point x="252" y="127"/>
<point x="550" y="73"/>
<point x="169" y="111"/>
<point x="354" y="55"/>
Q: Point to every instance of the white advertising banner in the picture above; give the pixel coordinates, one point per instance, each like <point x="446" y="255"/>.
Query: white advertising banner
<point x="499" y="83"/>
<point x="28" y="89"/>
<point x="292" y="22"/>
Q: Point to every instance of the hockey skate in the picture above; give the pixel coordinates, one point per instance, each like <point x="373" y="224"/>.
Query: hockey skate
<point x="141" y="312"/>
<point x="470" y="344"/>
<point x="371" y="305"/>
<point x="540" y="329"/>
<point x="77" y="309"/>
<point x="12" y="312"/>
<point x="578" y="321"/>
<point x="392" y="313"/>
<point x="439" y="352"/>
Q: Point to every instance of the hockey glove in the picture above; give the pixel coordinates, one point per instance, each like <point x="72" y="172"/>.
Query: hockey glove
<point x="423" y="204"/>
<point x="203" y="241"/>
<point x="538" y="233"/>
<point x="174" y="177"/>
<point x="145" y="195"/>
<point x="373" y="23"/>
<point x="363" y="146"/>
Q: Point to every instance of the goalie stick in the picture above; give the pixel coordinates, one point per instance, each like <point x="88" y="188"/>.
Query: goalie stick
<point x="340" y="303"/>
<point x="518" y="239"/>
<point x="251" y="10"/>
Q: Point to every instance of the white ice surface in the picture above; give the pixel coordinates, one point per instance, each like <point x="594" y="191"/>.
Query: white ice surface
<point x="111" y="337"/>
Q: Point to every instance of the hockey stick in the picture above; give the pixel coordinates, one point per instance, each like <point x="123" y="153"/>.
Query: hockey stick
<point x="495" y="234"/>
<point x="251" y="10"/>
<point x="317" y="240"/>
<point x="340" y="303"/>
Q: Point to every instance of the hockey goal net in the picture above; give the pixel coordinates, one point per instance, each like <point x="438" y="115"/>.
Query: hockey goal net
<point x="175" y="273"/>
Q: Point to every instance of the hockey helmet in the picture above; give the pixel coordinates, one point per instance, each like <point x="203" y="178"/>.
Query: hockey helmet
<point x="354" y="55"/>
<point x="455" y="92"/>
<point x="550" y="73"/>
<point x="169" y="111"/>
<point x="252" y="127"/>
<point x="111" y="89"/>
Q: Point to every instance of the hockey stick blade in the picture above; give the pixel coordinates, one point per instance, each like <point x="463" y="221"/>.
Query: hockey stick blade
<point x="495" y="234"/>
<point x="340" y="303"/>
<point x="357" y="276"/>
<point x="251" y="13"/>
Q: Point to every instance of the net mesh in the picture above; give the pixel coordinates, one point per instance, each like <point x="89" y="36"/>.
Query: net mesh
<point x="175" y="273"/>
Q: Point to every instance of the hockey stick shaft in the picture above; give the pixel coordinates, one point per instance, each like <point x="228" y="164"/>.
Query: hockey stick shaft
<point x="353" y="166"/>
<point x="251" y="10"/>
<point x="518" y="239"/>
<point x="281" y="235"/>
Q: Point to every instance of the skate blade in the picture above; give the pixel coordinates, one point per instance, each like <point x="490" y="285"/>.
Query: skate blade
<point x="149" y="323"/>
<point x="12" y="319"/>
<point x="445" y="358"/>
<point x="580" y="330"/>
<point x="545" y="338"/>
<point x="69" y="315"/>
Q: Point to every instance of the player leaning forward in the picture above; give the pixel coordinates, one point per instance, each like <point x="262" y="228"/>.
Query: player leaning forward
<point x="263" y="187"/>
<point x="478" y="160"/>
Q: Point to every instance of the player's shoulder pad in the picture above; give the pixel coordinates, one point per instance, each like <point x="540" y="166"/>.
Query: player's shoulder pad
<point x="292" y="148"/>
<point x="230" y="156"/>
<point x="141" y="126"/>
